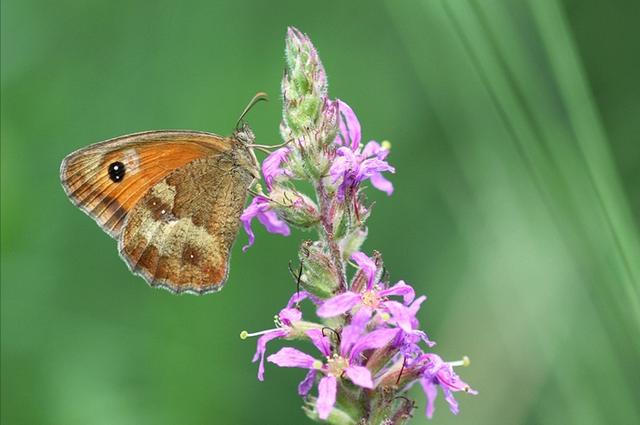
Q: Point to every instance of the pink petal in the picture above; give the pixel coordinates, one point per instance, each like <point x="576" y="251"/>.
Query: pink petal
<point x="271" y="169"/>
<point x="351" y="333"/>
<point x="256" y="207"/>
<point x="250" y="234"/>
<point x="431" y="392"/>
<point x="361" y="317"/>
<point x="289" y="316"/>
<point x="262" y="347"/>
<point x="415" y="305"/>
<point x="381" y="183"/>
<point x="339" y="304"/>
<point x="360" y="376"/>
<point x="273" y="224"/>
<point x="290" y="357"/>
<point x="373" y="148"/>
<point x="451" y="401"/>
<point x="296" y="298"/>
<point x="367" y="265"/>
<point x="400" y="314"/>
<point x="402" y="289"/>
<point x="423" y="336"/>
<point x="338" y="168"/>
<point x="372" y="166"/>
<point x="305" y="385"/>
<point x="327" y="389"/>
<point x="321" y="341"/>
<point x="449" y="380"/>
<point x="350" y="132"/>
<point x="375" y="339"/>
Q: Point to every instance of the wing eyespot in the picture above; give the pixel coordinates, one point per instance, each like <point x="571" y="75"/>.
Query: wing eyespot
<point x="116" y="171"/>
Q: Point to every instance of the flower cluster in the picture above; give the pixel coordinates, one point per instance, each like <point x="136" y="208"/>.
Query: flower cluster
<point x="370" y="349"/>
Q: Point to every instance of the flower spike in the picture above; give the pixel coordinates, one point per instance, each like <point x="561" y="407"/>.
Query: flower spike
<point x="367" y="347"/>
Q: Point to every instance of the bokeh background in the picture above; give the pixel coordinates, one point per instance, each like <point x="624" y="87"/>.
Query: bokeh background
<point x="515" y="135"/>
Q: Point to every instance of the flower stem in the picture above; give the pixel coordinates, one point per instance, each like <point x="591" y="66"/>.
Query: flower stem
<point x="326" y="233"/>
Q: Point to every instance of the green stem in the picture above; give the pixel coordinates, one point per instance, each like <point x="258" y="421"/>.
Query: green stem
<point x="326" y="233"/>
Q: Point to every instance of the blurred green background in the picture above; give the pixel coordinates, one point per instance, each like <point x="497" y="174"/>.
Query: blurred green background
<point x="515" y="129"/>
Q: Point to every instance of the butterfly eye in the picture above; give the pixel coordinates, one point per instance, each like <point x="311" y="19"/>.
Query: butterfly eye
<point x="116" y="171"/>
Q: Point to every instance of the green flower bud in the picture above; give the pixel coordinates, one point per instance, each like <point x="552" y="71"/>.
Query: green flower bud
<point x="352" y="242"/>
<point x="294" y="207"/>
<point x="319" y="276"/>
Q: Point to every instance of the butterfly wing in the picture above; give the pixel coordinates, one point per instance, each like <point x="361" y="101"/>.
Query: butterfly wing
<point x="106" y="180"/>
<point x="179" y="235"/>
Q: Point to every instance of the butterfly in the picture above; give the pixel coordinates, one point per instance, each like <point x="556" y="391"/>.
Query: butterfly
<point x="172" y="199"/>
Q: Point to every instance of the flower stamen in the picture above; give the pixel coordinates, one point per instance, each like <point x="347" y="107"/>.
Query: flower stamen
<point x="464" y="362"/>
<point x="371" y="298"/>
<point x="337" y="365"/>
<point x="245" y="334"/>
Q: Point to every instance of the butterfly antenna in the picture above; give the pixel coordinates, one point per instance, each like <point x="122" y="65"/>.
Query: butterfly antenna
<point x="270" y="148"/>
<point x="257" y="98"/>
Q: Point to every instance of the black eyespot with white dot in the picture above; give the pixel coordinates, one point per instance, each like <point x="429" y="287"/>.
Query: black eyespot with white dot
<point x="116" y="171"/>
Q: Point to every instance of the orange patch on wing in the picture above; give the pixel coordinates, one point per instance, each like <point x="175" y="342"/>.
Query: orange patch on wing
<point x="147" y="157"/>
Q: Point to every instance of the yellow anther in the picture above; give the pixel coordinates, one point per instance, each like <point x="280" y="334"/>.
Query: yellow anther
<point x="244" y="335"/>
<point x="385" y="316"/>
<point x="466" y="361"/>
<point x="337" y="365"/>
<point x="259" y="188"/>
<point x="386" y="145"/>
<point x="371" y="298"/>
<point x="317" y="364"/>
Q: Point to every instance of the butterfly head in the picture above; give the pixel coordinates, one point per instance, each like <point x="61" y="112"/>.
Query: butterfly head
<point x="245" y="136"/>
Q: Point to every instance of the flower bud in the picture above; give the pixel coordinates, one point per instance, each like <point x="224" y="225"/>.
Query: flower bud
<point x="401" y="374"/>
<point x="328" y="122"/>
<point x="320" y="276"/>
<point x="353" y="241"/>
<point x="301" y="113"/>
<point x="381" y="356"/>
<point x="304" y="85"/>
<point x="303" y="61"/>
<point x="294" y="207"/>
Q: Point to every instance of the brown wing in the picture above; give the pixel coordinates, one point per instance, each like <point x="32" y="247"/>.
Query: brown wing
<point x="147" y="158"/>
<point x="180" y="234"/>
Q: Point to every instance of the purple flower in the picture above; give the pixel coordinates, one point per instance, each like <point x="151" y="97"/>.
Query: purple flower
<point x="353" y="166"/>
<point x="261" y="209"/>
<point x="380" y="153"/>
<point x="376" y="351"/>
<point x="411" y="336"/>
<point x="345" y="362"/>
<point x="272" y="166"/>
<point x="440" y="373"/>
<point x="374" y="298"/>
<point x="285" y="322"/>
